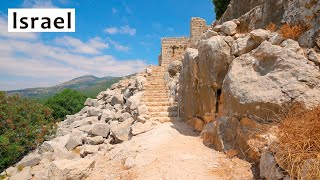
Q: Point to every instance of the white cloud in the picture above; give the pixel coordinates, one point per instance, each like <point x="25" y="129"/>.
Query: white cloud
<point x="41" y="63"/>
<point x="38" y="4"/>
<point x="111" y="30"/>
<point x="93" y="46"/>
<point x="121" y="30"/>
<point x="118" y="46"/>
<point x="114" y="11"/>
<point x="4" y="32"/>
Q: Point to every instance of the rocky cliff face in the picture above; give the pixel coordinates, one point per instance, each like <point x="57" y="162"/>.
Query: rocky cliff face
<point x="237" y="87"/>
<point x="254" y="14"/>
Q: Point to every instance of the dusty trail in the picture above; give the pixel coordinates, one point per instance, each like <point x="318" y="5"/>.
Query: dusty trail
<point x="169" y="151"/>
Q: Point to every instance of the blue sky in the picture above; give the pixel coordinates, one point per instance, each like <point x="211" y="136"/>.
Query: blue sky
<point x="112" y="38"/>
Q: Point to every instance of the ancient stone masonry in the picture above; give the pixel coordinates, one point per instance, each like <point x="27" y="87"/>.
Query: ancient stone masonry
<point x="198" y="26"/>
<point x="173" y="48"/>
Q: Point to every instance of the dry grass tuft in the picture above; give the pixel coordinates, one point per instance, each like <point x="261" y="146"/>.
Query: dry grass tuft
<point x="291" y="32"/>
<point x="271" y="27"/>
<point x="298" y="146"/>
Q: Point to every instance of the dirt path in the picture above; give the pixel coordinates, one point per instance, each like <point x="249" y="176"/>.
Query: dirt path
<point x="170" y="151"/>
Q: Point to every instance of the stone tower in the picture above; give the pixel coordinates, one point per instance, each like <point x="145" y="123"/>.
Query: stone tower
<point x="198" y="26"/>
<point x="173" y="48"/>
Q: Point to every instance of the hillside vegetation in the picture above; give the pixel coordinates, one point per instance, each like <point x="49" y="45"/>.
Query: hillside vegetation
<point x="220" y="7"/>
<point x="88" y="85"/>
<point x="24" y="124"/>
<point x="65" y="103"/>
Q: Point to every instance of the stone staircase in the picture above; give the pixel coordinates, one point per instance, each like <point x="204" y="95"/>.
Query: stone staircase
<point x="157" y="97"/>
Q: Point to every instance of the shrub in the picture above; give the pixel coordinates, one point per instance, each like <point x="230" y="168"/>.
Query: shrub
<point x="23" y="125"/>
<point x="220" y="6"/>
<point x="298" y="146"/>
<point x="291" y="32"/>
<point x="65" y="103"/>
<point x="271" y="27"/>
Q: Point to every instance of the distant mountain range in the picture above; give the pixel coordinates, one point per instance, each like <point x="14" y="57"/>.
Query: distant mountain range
<point x="89" y="85"/>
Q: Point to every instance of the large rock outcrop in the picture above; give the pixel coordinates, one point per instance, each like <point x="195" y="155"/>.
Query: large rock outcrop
<point x="254" y="14"/>
<point x="269" y="79"/>
<point x="201" y="78"/>
<point x="236" y="87"/>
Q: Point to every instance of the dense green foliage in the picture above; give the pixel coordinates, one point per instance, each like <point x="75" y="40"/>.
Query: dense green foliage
<point x="65" y="103"/>
<point x="220" y="7"/>
<point x="23" y="125"/>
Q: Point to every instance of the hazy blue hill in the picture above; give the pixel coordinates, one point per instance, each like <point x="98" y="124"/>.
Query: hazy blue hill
<point x="88" y="84"/>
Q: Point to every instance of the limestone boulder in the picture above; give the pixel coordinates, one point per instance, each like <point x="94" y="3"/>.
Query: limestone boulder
<point x="85" y="121"/>
<point x="75" y="139"/>
<point x="140" y="81"/>
<point x="133" y="102"/>
<point x="213" y="62"/>
<point x="174" y="67"/>
<point x="94" y="140"/>
<point x="11" y="171"/>
<point x="269" y="168"/>
<point x="260" y="84"/>
<point x="88" y="149"/>
<point x="208" y="34"/>
<point x="32" y="159"/>
<point x="149" y="71"/>
<point x="67" y="169"/>
<point x="139" y="128"/>
<point x="313" y="56"/>
<point x="196" y="123"/>
<point x="62" y="153"/>
<point x="47" y="146"/>
<point x="122" y="132"/>
<point x="260" y="35"/>
<point x="143" y="110"/>
<point x="229" y="28"/>
<point x="25" y="174"/>
<point x="201" y="78"/>
<point x="243" y="45"/>
<point x="117" y="99"/>
<point x="100" y="129"/>
<point x="91" y="102"/>
<point x="276" y="38"/>
<point x="93" y="111"/>
<point x="107" y="115"/>
<point x="189" y="96"/>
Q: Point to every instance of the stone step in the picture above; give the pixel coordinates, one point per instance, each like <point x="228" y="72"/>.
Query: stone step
<point x="165" y="119"/>
<point x="156" y="96"/>
<point x="162" y="108"/>
<point x="155" y="86"/>
<point x="152" y="99"/>
<point x="164" y="114"/>
<point x="158" y="91"/>
<point x="157" y="103"/>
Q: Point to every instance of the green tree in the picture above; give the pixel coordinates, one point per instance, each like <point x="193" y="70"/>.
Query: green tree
<point x="220" y="7"/>
<point x="65" y="103"/>
<point x="23" y="125"/>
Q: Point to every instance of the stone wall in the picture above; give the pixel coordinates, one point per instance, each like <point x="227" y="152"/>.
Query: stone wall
<point x="173" y="49"/>
<point x="198" y="26"/>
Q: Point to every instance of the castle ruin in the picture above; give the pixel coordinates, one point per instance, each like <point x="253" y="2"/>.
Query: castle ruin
<point x="173" y="48"/>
